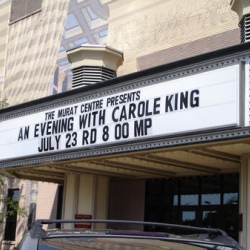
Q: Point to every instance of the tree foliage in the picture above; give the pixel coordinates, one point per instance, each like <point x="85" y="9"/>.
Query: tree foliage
<point x="3" y="103"/>
<point x="12" y="205"/>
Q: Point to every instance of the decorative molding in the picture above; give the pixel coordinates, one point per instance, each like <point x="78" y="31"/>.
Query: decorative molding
<point x="142" y="145"/>
<point x="124" y="85"/>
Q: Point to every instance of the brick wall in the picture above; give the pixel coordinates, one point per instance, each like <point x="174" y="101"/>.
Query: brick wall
<point x="201" y="46"/>
<point x="143" y="29"/>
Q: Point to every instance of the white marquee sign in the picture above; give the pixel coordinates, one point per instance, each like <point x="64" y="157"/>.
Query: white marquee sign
<point x="204" y="101"/>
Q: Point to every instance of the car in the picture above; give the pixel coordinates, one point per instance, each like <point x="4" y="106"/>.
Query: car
<point x="160" y="237"/>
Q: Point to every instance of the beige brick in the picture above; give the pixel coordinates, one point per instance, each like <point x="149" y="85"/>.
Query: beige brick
<point x="161" y="25"/>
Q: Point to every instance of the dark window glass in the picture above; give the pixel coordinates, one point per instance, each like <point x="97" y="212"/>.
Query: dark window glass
<point x="154" y="187"/>
<point x="10" y="227"/>
<point x="189" y="189"/>
<point x="189" y="186"/>
<point x="211" y="190"/>
<point x="207" y="201"/>
<point x="23" y="8"/>
<point x="188" y="218"/>
<point x="210" y="218"/>
<point x="231" y="190"/>
<point x="189" y="199"/>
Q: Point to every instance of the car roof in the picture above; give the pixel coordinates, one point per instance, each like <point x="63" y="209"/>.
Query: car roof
<point x="197" y="236"/>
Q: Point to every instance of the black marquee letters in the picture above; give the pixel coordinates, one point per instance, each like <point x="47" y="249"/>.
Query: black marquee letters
<point x="116" y="118"/>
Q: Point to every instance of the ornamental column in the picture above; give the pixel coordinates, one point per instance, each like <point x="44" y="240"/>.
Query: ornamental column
<point x="33" y="201"/>
<point x="87" y="194"/>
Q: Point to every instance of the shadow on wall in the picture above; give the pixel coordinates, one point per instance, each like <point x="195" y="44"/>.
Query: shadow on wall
<point x="124" y="203"/>
<point x="56" y="211"/>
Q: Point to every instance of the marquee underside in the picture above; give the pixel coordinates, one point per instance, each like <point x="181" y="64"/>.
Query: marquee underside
<point x="203" y="158"/>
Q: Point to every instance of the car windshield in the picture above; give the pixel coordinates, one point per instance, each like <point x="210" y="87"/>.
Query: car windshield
<point x="79" y="243"/>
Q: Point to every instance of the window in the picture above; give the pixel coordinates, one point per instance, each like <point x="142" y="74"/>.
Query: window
<point x="10" y="227"/>
<point x="71" y="22"/>
<point x="24" y="8"/>
<point x="208" y="201"/>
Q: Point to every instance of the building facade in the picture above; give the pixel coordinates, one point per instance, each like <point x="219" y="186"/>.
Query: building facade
<point x="63" y="60"/>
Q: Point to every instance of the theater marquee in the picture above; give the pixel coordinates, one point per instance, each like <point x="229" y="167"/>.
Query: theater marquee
<point x="203" y="101"/>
